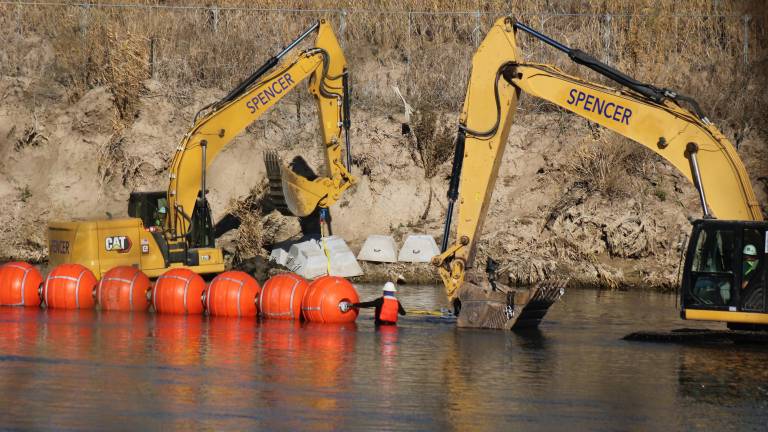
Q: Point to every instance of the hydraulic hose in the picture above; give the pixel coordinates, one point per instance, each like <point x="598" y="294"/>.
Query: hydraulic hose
<point x="347" y="121"/>
<point x="453" y="185"/>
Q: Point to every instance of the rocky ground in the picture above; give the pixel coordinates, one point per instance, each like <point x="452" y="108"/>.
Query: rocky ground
<point x="571" y="200"/>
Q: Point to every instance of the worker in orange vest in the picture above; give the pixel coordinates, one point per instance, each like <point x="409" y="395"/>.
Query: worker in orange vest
<point x="387" y="306"/>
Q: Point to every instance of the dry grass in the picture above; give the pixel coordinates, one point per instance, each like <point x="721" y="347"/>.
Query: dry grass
<point x="127" y="68"/>
<point x="695" y="46"/>
<point x="593" y="165"/>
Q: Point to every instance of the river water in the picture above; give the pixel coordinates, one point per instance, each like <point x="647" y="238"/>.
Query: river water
<point x="98" y="370"/>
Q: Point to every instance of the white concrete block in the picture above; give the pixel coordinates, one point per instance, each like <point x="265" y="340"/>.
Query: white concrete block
<point x="308" y="259"/>
<point x="343" y="261"/>
<point x="378" y="248"/>
<point x="418" y="249"/>
<point x="279" y="256"/>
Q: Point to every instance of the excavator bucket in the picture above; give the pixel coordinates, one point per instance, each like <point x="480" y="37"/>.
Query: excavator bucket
<point x="290" y="193"/>
<point x="507" y="308"/>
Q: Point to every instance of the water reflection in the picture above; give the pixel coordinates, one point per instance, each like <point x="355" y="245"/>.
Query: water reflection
<point x="87" y="369"/>
<point x="717" y="376"/>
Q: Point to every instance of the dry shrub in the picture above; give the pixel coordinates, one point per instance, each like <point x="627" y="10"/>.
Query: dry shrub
<point x="32" y="136"/>
<point x="596" y="167"/>
<point x="529" y="271"/>
<point x="630" y="237"/>
<point x="434" y="139"/>
<point x="605" y="278"/>
<point x="114" y="163"/>
<point x="609" y="164"/>
<point x="250" y="238"/>
<point x="127" y="69"/>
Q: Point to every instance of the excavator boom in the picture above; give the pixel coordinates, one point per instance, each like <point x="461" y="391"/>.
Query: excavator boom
<point x="324" y="65"/>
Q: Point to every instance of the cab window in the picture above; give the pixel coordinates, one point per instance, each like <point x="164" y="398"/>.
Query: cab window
<point x="712" y="269"/>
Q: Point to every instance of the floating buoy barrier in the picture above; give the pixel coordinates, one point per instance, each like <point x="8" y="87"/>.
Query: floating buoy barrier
<point x="178" y="291"/>
<point x="69" y="286"/>
<point x="233" y="294"/>
<point x="323" y="300"/>
<point x="19" y="284"/>
<point x="281" y="296"/>
<point x="123" y="288"/>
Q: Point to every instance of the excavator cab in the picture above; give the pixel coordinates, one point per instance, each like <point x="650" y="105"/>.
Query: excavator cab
<point x="724" y="277"/>
<point x="150" y="207"/>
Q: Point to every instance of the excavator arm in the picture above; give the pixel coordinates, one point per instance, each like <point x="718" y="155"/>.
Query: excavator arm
<point x="652" y="117"/>
<point x="325" y="67"/>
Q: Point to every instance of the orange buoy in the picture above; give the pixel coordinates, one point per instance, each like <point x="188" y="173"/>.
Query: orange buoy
<point x="232" y="293"/>
<point x="178" y="291"/>
<point x="281" y="296"/>
<point x="69" y="286"/>
<point x="19" y="284"/>
<point x="123" y="288"/>
<point x="322" y="302"/>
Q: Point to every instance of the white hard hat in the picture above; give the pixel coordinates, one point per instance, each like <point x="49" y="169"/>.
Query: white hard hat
<point x="389" y="286"/>
<point x="750" y="250"/>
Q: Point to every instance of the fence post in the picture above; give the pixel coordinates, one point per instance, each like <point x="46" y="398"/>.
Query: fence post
<point x="214" y="12"/>
<point x="84" y="19"/>
<point x="152" y="58"/>
<point x="607" y="38"/>
<point x="18" y="19"/>
<point x="342" y="26"/>
<point x="745" y="20"/>
<point x="408" y="59"/>
<point x="476" y="31"/>
<point x="83" y="23"/>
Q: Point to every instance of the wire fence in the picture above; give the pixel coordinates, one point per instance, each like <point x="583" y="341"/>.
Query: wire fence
<point x="426" y="54"/>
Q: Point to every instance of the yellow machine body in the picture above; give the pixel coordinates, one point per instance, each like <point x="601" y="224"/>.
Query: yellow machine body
<point x="682" y="137"/>
<point x="104" y="244"/>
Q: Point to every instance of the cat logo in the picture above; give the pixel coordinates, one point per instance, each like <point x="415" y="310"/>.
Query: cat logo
<point x="120" y="244"/>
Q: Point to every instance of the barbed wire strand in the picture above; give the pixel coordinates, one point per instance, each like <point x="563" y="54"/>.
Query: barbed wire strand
<point x="349" y="11"/>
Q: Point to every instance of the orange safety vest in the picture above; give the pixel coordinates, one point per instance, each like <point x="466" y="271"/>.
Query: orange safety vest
<point x="389" y="309"/>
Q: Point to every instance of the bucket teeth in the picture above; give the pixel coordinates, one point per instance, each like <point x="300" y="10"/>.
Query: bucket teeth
<point x="292" y="193"/>
<point x="507" y="308"/>
<point x="545" y="295"/>
<point x="273" y="164"/>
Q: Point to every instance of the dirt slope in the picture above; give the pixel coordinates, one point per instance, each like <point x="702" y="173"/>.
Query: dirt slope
<point x="570" y="199"/>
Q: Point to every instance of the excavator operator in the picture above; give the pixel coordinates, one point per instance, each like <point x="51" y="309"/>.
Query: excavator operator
<point x="750" y="261"/>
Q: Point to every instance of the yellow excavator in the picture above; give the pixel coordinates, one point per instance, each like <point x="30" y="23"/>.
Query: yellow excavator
<point x="173" y="228"/>
<point x="724" y="273"/>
